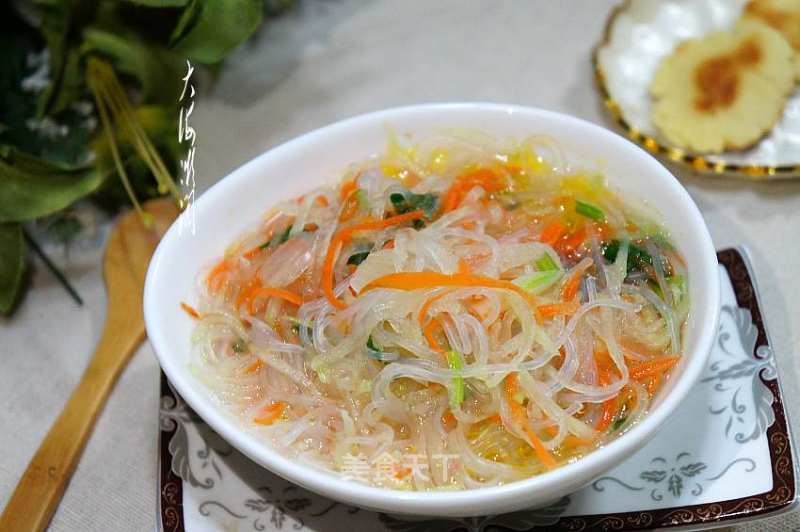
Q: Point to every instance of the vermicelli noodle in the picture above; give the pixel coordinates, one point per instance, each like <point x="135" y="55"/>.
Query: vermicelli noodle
<point x="453" y="314"/>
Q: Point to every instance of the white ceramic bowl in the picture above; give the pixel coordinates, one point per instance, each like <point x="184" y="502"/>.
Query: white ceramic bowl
<point x="236" y="203"/>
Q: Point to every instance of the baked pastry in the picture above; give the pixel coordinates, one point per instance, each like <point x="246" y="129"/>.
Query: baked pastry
<point x="724" y="90"/>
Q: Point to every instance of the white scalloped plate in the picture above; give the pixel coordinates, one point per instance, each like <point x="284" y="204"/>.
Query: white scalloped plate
<point x="639" y="34"/>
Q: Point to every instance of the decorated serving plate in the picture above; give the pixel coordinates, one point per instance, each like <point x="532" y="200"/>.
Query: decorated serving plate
<point x="725" y="456"/>
<point x="639" y="34"/>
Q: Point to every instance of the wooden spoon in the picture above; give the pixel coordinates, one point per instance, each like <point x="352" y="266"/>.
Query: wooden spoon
<point x="127" y="256"/>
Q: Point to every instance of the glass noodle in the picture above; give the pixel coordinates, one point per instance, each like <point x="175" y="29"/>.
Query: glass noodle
<point x="453" y="314"/>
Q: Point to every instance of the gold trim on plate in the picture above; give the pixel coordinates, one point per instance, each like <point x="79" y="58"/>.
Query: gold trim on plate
<point x="697" y="163"/>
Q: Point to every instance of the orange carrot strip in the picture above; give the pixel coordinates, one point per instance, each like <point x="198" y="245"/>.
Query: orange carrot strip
<point x="348" y="187"/>
<point x="552" y="232"/>
<point x="482" y="177"/>
<point x="570" y="288"/>
<point x="190" y="310"/>
<point x="653" y="367"/>
<point x="428" y="303"/>
<point x="419" y="280"/>
<point x="247" y="292"/>
<point x="269" y="291"/>
<point x="609" y="406"/>
<point x="350" y="209"/>
<point x="341" y="237"/>
<point x="571" y="242"/>
<point x="322" y="200"/>
<point x="558" y="309"/>
<point x="221" y="268"/>
<point x="270" y="413"/>
<point x="448" y="419"/>
<point x="255" y="366"/>
<point x="463" y="266"/>
<point x="427" y="331"/>
<point x="521" y="418"/>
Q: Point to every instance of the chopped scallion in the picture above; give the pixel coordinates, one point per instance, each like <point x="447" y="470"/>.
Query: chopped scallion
<point x="546" y="263"/>
<point x="456" y="364"/>
<point x="536" y="282"/>
<point x="590" y="211"/>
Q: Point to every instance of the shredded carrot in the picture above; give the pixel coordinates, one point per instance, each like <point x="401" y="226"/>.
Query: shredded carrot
<point x="552" y="232"/>
<point x="322" y="200"/>
<point x="428" y="303"/>
<point x="350" y="209"/>
<point x="448" y="419"/>
<point x="268" y="291"/>
<point x="247" y="291"/>
<point x="342" y="236"/>
<point x="571" y="242"/>
<point x="483" y="177"/>
<point x="348" y="187"/>
<point x="463" y="266"/>
<point x="496" y="419"/>
<point x="389" y="244"/>
<point x="469" y="225"/>
<point x="255" y="366"/>
<point x="427" y="331"/>
<point x="570" y="288"/>
<point x="270" y="414"/>
<point x="402" y="473"/>
<point x="521" y="418"/>
<point x="221" y="268"/>
<point x="419" y="280"/>
<point x="656" y="366"/>
<point x="190" y="310"/>
<point x="559" y="309"/>
<point x="609" y="406"/>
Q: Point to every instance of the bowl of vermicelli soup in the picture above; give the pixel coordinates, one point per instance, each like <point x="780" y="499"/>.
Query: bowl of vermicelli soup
<point x="447" y="309"/>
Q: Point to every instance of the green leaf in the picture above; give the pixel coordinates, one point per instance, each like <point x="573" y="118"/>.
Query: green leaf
<point x="158" y="71"/>
<point x="208" y="29"/>
<point x="160" y="3"/>
<point x="31" y="188"/>
<point x="12" y="264"/>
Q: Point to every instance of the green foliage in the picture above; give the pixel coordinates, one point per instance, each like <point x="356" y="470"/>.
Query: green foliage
<point x="32" y="188"/>
<point x="209" y="29"/>
<point x="12" y="262"/>
<point x="52" y="152"/>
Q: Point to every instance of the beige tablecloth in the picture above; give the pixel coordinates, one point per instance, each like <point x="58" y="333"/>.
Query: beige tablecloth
<point x="324" y="61"/>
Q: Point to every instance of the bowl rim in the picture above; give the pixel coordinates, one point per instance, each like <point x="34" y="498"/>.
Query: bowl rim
<point x="429" y="502"/>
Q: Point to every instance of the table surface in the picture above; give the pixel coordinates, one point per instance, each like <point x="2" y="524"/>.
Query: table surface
<point x="323" y="61"/>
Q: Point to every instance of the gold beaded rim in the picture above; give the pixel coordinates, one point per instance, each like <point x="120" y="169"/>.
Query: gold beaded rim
<point x="697" y="163"/>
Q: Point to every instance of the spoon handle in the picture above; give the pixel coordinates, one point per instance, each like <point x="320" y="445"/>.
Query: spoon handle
<point x="42" y="484"/>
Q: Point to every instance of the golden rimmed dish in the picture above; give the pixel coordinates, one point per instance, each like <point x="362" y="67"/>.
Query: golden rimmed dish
<point x="637" y="36"/>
